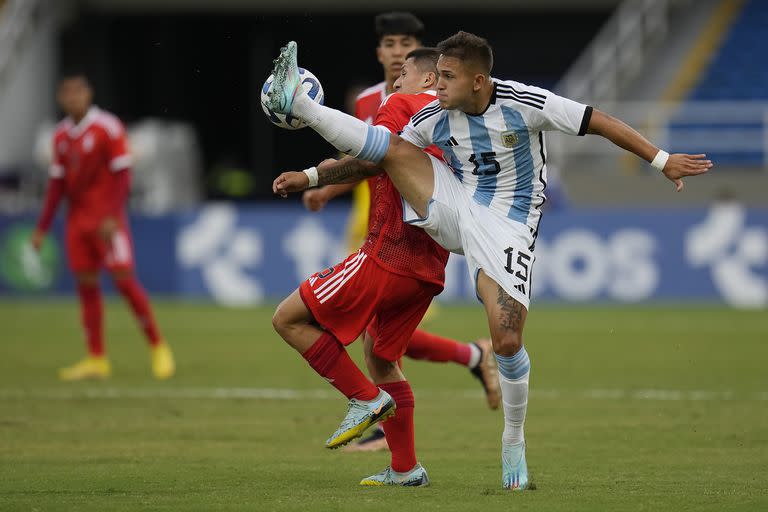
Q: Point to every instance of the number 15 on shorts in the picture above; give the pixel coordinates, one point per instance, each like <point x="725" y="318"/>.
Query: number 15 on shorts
<point x="519" y="265"/>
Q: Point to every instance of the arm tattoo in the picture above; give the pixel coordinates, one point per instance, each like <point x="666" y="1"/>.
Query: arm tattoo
<point x="348" y="170"/>
<point x="511" y="315"/>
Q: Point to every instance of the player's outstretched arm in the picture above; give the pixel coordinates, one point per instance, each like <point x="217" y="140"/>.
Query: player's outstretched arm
<point x="346" y="170"/>
<point x="52" y="198"/>
<point x="677" y="166"/>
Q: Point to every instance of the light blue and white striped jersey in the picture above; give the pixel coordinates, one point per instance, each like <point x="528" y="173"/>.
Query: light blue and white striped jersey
<point x="499" y="155"/>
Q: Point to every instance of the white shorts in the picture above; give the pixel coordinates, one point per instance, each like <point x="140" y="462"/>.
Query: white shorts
<point x="488" y="240"/>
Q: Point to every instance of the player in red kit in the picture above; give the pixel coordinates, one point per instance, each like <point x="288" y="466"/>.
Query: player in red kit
<point x="91" y="169"/>
<point x="384" y="289"/>
<point x="398" y="33"/>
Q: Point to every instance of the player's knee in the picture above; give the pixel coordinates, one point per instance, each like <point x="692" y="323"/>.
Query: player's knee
<point x="507" y="344"/>
<point x="281" y="321"/>
<point x="87" y="278"/>
<point x="121" y="275"/>
<point x="374" y="361"/>
<point x="379" y="368"/>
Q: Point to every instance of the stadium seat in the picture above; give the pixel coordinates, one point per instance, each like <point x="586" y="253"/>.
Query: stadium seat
<point x="733" y="74"/>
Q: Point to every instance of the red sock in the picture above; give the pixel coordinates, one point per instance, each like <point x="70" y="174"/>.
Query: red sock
<point x="328" y="358"/>
<point x="432" y="347"/>
<point x="92" y="314"/>
<point x="399" y="429"/>
<point x="137" y="298"/>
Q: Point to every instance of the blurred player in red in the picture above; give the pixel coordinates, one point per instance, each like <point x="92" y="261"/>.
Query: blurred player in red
<point x="91" y="169"/>
<point x="398" y="34"/>
<point x="384" y="289"/>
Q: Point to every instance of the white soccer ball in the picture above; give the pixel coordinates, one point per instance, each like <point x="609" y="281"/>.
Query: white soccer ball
<point x="312" y="87"/>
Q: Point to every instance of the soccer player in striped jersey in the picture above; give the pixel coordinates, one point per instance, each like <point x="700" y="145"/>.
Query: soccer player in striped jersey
<point x="398" y="33"/>
<point x="483" y="198"/>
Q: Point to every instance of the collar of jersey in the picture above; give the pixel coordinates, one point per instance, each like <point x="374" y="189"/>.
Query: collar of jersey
<point x="75" y="130"/>
<point x="490" y="102"/>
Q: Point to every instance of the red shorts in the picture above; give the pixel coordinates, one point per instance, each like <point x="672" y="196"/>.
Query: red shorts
<point x="87" y="251"/>
<point x="357" y="292"/>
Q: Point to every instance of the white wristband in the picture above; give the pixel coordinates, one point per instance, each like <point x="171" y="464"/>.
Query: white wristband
<point x="660" y="160"/>
<point x="312" y="175"/>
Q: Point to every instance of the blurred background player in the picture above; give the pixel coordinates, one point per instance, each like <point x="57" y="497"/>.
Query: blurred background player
<point x="398" y="33"/>
<point x="91" y="169"/>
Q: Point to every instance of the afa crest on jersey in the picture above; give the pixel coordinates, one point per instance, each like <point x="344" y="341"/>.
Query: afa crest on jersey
<point x="509" y="139"/>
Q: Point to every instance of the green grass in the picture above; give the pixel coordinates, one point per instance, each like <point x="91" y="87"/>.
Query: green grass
<point x="631" y="409"/>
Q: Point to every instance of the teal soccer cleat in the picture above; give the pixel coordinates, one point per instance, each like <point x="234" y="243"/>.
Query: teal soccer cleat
<point x="514" y="470"/>
<point x="417" y="477"/>
<point x="286" y="84"/>
<point x="360" y="416"/>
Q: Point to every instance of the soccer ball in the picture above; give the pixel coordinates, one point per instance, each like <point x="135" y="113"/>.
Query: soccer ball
<point x="312" y="87"/>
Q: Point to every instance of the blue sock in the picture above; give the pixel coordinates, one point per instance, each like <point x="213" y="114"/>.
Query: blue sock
<point x="376" y="144"/>
<point x="514" y="367"/>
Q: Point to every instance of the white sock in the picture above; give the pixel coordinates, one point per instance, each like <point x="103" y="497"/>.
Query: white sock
<point x="514" y="397"/>
<point x="474" y="357"/>
<point x="347" y="133"/>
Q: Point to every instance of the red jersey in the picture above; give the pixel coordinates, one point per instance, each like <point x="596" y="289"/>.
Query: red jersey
<point x="399" y="247"/>
<point x="88" y="156"/>
<point x="366" y="107"/>
<point x="368" y="102"/>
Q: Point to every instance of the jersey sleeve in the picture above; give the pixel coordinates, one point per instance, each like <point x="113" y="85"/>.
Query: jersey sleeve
<point x="118" y="152"/>
<point x="394" y="113"/>
<point x="420" y="129"/>
<point x="56" y="169"/>
<point x="565" y="115"/>
<point x="359" y="109"/>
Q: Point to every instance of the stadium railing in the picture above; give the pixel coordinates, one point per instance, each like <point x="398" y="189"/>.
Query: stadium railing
<point x="17" y="19"/>
<point x="619" y="51"/>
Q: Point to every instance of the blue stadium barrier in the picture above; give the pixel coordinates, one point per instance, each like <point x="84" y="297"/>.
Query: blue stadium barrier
<point x="731" y="75"/>
<point x="244" y="255"/>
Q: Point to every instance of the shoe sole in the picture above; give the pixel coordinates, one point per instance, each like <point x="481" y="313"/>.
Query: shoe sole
<point x="164" y="376"/>
<point x="372" y="483"/>
<point x="375" y="483"/>
<point x="359" y="430"/>
<point x="84" y="377"/>
<point x="280" y="72"/>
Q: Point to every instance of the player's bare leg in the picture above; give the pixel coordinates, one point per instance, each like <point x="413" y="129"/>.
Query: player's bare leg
<point x="404" y="469"/>
<point x="326" y="355"/>
<point x="477" y="357"/>
<point x="163" y="364"/>
<point x="295" y="324"/>
<point x="506" y="319"/>
<point x="410" y="169"/>
<point x="96" y="365"/>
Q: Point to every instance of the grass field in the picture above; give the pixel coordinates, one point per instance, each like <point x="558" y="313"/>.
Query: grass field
<point x="631" y="409"/>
